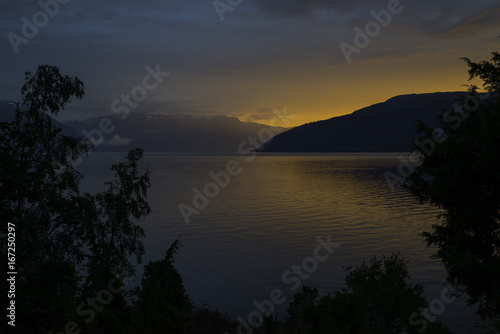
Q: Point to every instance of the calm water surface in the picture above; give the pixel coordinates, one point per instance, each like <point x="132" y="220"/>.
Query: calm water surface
<point x="269" y="217"/>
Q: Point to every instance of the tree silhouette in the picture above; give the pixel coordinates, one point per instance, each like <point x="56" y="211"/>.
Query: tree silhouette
<point x="162" y="301"/>
<point x="377" y="299"/>
<point x="459" y="172"/>
<point x="60" y="233"/>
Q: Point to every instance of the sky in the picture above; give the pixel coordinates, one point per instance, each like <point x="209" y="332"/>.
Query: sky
<point x="244" y="58"/>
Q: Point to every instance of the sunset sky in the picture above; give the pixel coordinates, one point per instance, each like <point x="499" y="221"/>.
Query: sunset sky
<point x="263" y="54"/>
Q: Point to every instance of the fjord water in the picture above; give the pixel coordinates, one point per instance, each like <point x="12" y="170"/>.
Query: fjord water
<point x="269" y="218"/>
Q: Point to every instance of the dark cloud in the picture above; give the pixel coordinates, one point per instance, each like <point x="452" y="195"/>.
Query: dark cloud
<point x="304" y="8"/>
<point x="473" y="25"/>
<point x="265" y="114"/>
<point x="293" y="7"/>
<point x="155" y="105"/>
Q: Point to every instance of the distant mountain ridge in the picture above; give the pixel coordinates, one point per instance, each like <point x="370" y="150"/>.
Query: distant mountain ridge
<point x="383" y="127"/>
<point x="156" y="132"/>
<point x="165" y="133"/>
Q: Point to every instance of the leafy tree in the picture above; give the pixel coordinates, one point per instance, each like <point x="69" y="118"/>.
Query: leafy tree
<point x="382" y="287"/>
<point x="302" y="310"/>
<point x="459" y="172"/>
<point x="377" y="299"/>
<point x="270" y="324"/>
<point x="207" y="321"/>
<point x="62" y="234"/>
<point x="162" y="303"/>
<point x="112" y="235"/>
<point x="37" y="191"/>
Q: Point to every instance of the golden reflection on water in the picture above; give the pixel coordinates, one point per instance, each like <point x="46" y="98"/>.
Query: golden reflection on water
<point x="269" y="217"/>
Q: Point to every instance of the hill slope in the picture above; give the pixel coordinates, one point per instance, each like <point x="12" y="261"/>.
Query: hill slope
<point x="383" y="127"/>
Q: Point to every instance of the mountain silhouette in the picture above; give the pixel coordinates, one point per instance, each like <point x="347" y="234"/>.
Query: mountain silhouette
<point x="383" y="127"/>
<point x="166" y="133"/>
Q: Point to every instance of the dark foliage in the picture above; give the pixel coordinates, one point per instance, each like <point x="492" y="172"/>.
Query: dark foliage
<point x="459" y="172"/>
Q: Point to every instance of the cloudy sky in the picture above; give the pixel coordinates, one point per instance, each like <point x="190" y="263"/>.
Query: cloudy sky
<point x="243" y="57"/>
